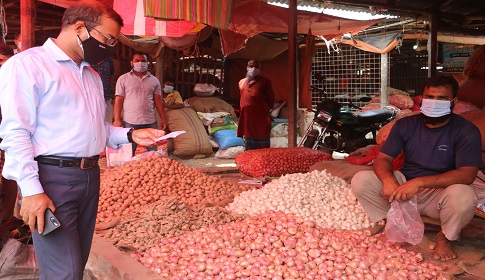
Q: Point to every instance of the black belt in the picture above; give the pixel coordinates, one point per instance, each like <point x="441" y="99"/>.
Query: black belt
<point x="83" y="163"/>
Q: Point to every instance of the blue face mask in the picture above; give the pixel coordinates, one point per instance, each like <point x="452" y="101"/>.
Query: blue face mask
<point x="435" y="108"/>
<point x="252" y="72"/>
<point x="140" y="67"/>
<point x="168" y="89"/>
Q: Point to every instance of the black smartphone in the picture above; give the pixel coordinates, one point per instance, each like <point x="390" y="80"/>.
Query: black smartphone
<point x="50" y="222"/>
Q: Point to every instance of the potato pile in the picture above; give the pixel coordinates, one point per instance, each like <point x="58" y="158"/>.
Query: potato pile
<point x="166" y="217"/>
<point x="278" y="161"/>
<point x="127" y="188"/>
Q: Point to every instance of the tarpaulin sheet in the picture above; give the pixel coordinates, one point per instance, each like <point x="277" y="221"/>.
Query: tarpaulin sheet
<point x="135" y="22"/>
<point x="252" y="17"/>
<point x="376" y="43"/>
<point x="216" y="13"/>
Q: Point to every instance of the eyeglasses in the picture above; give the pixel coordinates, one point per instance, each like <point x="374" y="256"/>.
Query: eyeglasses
<point x="109" y="40"/>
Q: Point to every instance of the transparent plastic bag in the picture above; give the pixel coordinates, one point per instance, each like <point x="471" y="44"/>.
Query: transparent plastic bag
<point x="404" y="223"/>
<point x="118" y="157"/>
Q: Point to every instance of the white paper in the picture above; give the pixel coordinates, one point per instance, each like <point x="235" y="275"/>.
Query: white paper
<point x="171" y="135"/>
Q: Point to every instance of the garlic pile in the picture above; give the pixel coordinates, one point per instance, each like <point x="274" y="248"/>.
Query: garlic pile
<point x="316" y="196"/>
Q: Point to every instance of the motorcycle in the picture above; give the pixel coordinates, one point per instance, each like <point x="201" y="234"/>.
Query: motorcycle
<point x="336" y="127"/>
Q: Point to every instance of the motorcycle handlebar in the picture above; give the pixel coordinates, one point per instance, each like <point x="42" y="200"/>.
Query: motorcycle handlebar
<point x="322" y="91"/>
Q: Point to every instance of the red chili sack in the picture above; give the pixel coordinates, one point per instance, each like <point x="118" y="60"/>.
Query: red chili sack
<point x="278" y="161"/>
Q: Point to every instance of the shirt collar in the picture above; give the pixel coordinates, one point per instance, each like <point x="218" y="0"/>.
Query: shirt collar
<point x="56" y="53"/>
<point x="146" y="74"/>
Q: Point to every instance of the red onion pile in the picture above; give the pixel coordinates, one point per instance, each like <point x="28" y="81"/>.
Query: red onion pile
<point x="275" y="245"/>
<point x="278" y="161"/>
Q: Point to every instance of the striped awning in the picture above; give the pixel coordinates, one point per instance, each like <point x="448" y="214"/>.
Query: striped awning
<point x="135" y="22"/>
<point x="216" y="13"/>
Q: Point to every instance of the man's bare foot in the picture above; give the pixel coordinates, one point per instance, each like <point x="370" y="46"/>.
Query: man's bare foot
<point x="444" y="248"/>
<point x="378" y="228"/>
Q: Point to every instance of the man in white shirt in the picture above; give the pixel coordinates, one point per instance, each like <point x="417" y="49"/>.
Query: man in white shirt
<point x="53" y="130"/>
<point x="8" y="188"/>
<point x="138" y="94"/>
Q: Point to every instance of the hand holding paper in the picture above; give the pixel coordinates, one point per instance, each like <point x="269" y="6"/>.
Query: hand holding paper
<point x="164" y="137"/>
<point x="171" y="135"/>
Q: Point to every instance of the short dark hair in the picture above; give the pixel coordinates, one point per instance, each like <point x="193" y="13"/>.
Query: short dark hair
<point x="441" y="81"/>
<point x="254" y="63"/>
<point x="90" y="12"/>
<point x="140" y="53"/>
<point x="6" y="49"/>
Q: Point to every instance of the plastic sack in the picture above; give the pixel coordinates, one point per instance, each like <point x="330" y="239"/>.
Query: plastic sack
<point x="227" y="138"/>
<point x="231" y="152"/>
<point x="204" y="89"/>
<point x="160" y="153"/>
<point x="404" y="223"/>
<point x="17" y="261"/>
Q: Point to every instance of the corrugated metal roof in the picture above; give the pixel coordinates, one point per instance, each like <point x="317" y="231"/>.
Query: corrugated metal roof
<point x="456" y="16"/>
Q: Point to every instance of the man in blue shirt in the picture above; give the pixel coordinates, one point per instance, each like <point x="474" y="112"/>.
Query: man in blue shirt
<point x="442" y="157"/>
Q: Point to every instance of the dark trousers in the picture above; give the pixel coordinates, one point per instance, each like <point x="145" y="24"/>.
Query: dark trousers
<point x="256" y="143"/>
<point x="63" y="253"/>
<point x="138" y="126"/>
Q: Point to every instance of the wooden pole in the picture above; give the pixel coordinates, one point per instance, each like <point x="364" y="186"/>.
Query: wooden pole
<point x="432" y="46"/>
<point x="27" y="23"/>
<point x="292" y="79"/>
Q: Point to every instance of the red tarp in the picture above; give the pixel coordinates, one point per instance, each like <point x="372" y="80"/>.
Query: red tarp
<point x="135" y="22"/>
<point x="251" y="17"/>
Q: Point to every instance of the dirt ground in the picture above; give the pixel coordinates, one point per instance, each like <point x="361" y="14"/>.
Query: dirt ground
<point x="470" y="264"/>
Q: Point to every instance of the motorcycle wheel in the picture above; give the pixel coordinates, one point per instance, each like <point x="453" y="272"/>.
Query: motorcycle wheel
<point x="331" y="142"/>
<point x="310" y="139"/>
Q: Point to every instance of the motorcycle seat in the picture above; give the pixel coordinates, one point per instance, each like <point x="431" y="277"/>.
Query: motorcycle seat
<point x="373" y="116"/>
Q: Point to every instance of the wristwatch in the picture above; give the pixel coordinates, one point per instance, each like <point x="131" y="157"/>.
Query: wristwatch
<point x="129" y="135"/>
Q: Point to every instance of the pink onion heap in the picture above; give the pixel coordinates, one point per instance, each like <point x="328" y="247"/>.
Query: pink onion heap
<point x="274" y="245"/>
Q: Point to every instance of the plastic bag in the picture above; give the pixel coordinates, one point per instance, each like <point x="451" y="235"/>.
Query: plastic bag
<point x="119" y="157"/>
<point x="404" y="223"/>
<point x="17" y="261"/>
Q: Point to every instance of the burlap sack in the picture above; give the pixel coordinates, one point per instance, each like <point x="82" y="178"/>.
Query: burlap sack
<point x="477" y="117"/>
<point x="195" y="141"/>
<point x="211" y="105"/>
<point x="471" y="89"/>
<point x="475" y="65"/>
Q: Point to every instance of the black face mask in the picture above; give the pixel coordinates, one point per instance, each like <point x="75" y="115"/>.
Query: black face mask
<point x="434" y="120"/>
<point x="95" y="51"/>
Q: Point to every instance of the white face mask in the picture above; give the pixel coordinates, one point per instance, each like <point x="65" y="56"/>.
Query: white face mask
<point x="168" y="89"/>
<point x="140" y="67"/>
<point x="253" y="72"/>
<point x="435" y="108"/>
